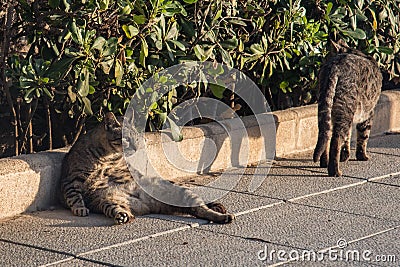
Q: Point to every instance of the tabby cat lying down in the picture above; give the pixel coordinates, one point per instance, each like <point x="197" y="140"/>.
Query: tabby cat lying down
<point x="95" y="177"/>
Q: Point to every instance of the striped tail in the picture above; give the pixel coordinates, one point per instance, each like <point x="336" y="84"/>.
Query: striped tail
<point x="327" y="87"/>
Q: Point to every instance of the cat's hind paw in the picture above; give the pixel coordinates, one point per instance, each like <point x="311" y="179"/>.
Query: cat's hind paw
<point x="218" y="207"/>
<point x="334" y="173"/>
<point x="123" y="218"/>
<point x="344" y="154"/>
<point x="228" y="218"/>
<point x="80" y="211"/>
<point x="362" y="156"/>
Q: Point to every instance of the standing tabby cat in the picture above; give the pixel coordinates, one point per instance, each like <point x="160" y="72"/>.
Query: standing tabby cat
<point x="349" y="84"/>
<point x="95" y="177"/>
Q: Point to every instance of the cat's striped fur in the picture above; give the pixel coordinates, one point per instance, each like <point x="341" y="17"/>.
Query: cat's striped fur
<point x="95" y="178"/>
<point x="349" y="87"/>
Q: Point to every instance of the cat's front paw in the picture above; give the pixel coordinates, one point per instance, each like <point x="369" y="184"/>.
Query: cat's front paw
<point x="80" y="211"/>
<point x="123" y="218"/>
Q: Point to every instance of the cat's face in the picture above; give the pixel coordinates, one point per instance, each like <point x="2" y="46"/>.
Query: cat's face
<point x="113" y="130"/>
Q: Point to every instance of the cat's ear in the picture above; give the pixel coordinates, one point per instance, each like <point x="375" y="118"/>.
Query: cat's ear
<point x="110" y="121"/>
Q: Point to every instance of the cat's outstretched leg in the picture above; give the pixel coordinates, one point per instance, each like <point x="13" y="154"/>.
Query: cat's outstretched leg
<point x="212" y="214"/>
<point x="363" y="131"/>
<point x="185" y="202"/>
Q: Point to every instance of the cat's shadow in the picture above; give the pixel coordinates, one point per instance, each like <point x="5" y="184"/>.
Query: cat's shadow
<point x="64" y="218"/>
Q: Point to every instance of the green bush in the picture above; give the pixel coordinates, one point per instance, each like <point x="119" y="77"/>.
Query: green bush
<point x="88" y="56"/>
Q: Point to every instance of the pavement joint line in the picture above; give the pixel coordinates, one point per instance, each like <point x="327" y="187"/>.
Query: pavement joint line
<point x="58" y="262"/>
<point x="197" y="225"/>
<point x="324" y="250"/>
<point x="174" y="230"/>
<point x="383" y="176"/>
<point x="327" y="191"/>
<point x="259" y="208"/>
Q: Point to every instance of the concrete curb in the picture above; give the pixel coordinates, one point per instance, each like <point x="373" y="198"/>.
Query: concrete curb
<point x="30" y="182"/>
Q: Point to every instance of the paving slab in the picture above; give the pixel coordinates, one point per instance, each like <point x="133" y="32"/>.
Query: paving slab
<point x="20" y="254"/>
<point x="379" y="250"/>
<point x="194" y="247"/>
<point x="384" y="249"/>
<point x="393" y="180"/>
<point x="302" y="226"/>
<point x="371" y="199"/>
<point x="58" y="232"/>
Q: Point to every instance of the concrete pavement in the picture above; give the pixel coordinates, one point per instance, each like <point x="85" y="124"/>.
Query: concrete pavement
<point x="297" y="217"/>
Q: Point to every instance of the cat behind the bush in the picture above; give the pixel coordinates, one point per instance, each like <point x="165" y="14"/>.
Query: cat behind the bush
<point x="96" y="178"/>
<point x="349" y="88"/>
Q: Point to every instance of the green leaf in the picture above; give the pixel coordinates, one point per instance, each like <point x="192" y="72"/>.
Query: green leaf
<point x="257" y="49"/>
<point x="25" y="82"/>
<point x="357" y="34"/>
<point x="238" y="22"/>
<point x="283" y="85"/>
<point x="28" y="95"/>
<point x="75" y="33"/>
<point x="230" y="43"/>
<point x="119" y="72"/>
<point x="126" y="10"/>
<point x="104" y="4"/>
<point x="173" y="32"/>
<point x="92" y="90"/>
<point x="218" y="14"/>
<point x="48" y="93"/>
<point x="175" y="130"/>
<point x="144" y="52"/>
<point x="60" y="68"/>
<point x="329" y="8"/>
<point x="71" y="94"/>
<point x="217" y="90"/>
<point x="106" y="66"/>
<point x="130" y="31"/>
<point x="111" y="47"/>
<point x="163" y="79"/>
<point x="190" y="1"/>
<point x="226" y="57"/>
<point x="82" y="84"/>
<point x="54" y="3"/>
<point x="178" y="44"/>
<point x="87" y="109"/>
<point x="209" y="52"/>
<point x="99" y="43"/>
<point x="139" y="19"/>
<point x="385" y="50"/>
<point x="199" y="52"/>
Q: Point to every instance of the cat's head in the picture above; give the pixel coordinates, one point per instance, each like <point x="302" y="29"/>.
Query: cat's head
<point x="113" y="131"/>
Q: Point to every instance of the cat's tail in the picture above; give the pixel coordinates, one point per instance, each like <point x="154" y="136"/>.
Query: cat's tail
<point x="327" y="87"/>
